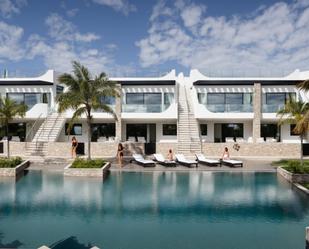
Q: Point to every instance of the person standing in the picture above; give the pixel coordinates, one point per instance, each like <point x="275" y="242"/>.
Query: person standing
<point x="74" y="147"/>
<point x="120" y="154"/>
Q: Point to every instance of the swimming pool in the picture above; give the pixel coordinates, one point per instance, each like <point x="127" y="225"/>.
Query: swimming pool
<point x="154" y="210"/>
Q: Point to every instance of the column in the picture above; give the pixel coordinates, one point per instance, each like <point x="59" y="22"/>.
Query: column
<point x="257" y="106"/>
<point x="118" y="114"/>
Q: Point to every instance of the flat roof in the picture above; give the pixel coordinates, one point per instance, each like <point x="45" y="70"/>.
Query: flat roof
<point x="246" y="82"/>
<point x="146" y="82"/>
<point x="24" y="82"/>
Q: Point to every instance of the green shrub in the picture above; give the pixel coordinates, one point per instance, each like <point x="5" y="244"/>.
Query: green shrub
<point x="82" y="163"/>
<point x="285" y="162"/>
<point x="295" y="167"/>
<point x="10" y="163"/>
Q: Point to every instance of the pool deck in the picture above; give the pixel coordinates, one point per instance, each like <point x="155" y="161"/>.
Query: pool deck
<point x="249" y="165"/>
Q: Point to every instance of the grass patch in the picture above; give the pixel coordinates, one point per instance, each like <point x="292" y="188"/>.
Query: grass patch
<point x="88" y="164"/>
<point x="293" y="166"/>
<point x="10" y="162"/>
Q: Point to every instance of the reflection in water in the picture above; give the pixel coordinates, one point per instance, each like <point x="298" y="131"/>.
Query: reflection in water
<point x="71" y="243"/>
<point x="13" y="244"/>
<point x="135" y="207"/>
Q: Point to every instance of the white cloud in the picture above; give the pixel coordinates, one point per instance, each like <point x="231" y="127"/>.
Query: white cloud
<point x="63" y="44"/>
<point x="271" y="38"/>
<point x="11" y="7"/>
<point x="61" y="29"/>
<point x="119" y="5"/>
<point x="10" y="40"/>
<point x="72" y="12"/>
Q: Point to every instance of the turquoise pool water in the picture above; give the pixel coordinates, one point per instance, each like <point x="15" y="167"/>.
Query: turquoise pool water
<point x="154" y="210"/>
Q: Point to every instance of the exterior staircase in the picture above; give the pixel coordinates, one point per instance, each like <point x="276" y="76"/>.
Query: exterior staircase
<point x="189" y="141"/>
<point x="48" y="132"/>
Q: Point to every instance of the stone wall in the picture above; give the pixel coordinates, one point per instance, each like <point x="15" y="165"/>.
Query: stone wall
<point x="16" y="148"/>
<point x="13" y="172"/>
<point x="257" y="105"/>
<point x="283" y="150"/>
<point x="164" y="147"/>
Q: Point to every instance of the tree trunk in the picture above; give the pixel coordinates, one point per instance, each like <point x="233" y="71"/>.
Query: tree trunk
<point x="89" y="136"/>
<point x="8" y="142"/>
<point x="301" y="150"/>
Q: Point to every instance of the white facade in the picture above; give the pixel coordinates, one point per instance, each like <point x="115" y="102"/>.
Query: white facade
<point x="159" y="115"/>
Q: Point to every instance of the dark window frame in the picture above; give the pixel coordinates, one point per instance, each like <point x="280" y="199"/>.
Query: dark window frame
<point x="72" y="133"/>
<point x="286" y="96"/>
<point x="169" y="132"/>
<point x="143" y="97"/>
<point x="202" y="130"/>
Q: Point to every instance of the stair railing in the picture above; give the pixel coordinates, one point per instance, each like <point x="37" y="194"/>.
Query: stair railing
<point x="190" y="109"/>
<point x="31" y="133"/>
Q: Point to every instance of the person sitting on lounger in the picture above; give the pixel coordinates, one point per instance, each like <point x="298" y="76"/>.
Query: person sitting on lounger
<point x="226" y="154"/>
<point x="170" y="155"/>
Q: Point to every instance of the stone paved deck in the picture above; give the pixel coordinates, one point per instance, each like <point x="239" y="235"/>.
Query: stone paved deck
<point x="249" y="165"/>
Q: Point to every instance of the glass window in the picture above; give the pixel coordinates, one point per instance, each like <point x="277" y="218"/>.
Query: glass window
<point x="75" y="130"/>
<point x="17" y="97"/>
<point x="247" y="98"/>
<point x="16" y="130"/>
<point x="169" y="129"/>
<point x="32" y="99"/>
<point x="135" y="98"/>
<point x="137" y="130"/>
<point x="59" y="89"/>
<point x="202" y="98"/>
<point x="270" y="130"/>
<point x="168" y="98"/>
<point x="203" y="128"/>
<point x="46" y="98"/>
<point x="232" y="130"/>
<point x="108" y="100"/>
<point x="234" y="98"/>
<point x="292" y="132"/>
<point x="102" y="130"/>
<point x="152" y="98"/>
<point x="275" y="98"/>
<point x="215" y="98"/>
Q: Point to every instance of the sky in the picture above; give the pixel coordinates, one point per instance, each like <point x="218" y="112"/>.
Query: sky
<point x="152" y="37"/>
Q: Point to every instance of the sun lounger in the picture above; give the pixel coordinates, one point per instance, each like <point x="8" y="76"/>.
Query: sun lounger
<point x="232" y="163"/>
<point x="180" y="158"/>
<point x="203" y="160"/>
<point x="161" y="160"/>
<point x="141" y="160"/>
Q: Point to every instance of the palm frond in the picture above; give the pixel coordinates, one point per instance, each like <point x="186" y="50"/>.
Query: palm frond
<point x="303" y="85"/>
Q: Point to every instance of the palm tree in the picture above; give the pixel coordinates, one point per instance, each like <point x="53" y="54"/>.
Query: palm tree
<point x="9" y="109"/>
<point x="296" y="112"/>
<point x="84" y="94"/>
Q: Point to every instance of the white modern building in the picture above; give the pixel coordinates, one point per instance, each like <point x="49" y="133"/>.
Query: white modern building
<point x="187" y="114"/>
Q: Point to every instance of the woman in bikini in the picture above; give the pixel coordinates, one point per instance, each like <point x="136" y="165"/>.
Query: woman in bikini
<point x="74" y="147"/>
<point x="226" y="154"/>
<point x="120" y="154"/>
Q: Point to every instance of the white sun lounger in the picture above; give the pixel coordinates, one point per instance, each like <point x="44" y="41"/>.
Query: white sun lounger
<point x="141" y="160"/>
<point x="232" y="163"/>
<point x="202" y="159"/>
<point x="180" y="158"/>
<point x="161" y="160"/>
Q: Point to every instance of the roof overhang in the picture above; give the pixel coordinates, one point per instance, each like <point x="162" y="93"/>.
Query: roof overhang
<point x="245" y="82"/>
<point x="147" y="82"/>
<point x="25" y="82"/>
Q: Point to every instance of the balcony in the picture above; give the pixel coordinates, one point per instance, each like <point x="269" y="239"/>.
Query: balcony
<point x="131" y="108"/>
<point x="232" y="108"/>
<point x="272" y="108"/>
